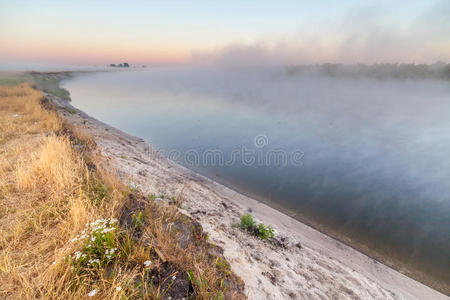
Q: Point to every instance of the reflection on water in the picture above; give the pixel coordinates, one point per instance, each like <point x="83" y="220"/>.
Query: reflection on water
<point x="374" y="163"/>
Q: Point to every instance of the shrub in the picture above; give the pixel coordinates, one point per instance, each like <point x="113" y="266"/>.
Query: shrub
<point x="247" y="222"/>
<point x="265" y="232"/>
<point x="260" y="230"/>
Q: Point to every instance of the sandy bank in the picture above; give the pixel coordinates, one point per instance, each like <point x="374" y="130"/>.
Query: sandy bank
<point x="305" y="264"/>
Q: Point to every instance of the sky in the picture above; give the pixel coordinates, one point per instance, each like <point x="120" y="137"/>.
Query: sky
<point x="224" y="32"/>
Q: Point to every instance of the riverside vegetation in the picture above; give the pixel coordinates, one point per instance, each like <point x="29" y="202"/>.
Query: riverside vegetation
<point x="70" y="229"/>
<point x="260" y="230"/>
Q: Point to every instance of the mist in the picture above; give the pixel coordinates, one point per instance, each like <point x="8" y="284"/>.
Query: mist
<point x="367" y="34"/>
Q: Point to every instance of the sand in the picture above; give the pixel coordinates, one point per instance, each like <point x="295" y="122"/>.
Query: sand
<point x="303" y="264"/>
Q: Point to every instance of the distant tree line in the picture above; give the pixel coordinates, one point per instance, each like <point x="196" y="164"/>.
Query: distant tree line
<point x="121" y="65"/>
<point x="438" y="70"/>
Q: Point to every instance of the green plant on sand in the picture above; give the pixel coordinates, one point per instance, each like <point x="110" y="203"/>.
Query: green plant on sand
<point x="260" y="230"/>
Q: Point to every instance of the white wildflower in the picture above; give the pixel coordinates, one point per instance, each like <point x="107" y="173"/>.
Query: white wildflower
<point x="94" y="261"/>
<point x="119" y="288"/>
<point x="108" y="229"/>
<point x="78" y="254"/>
<point x="147" y="263"/>
<point x="174" y="277"/>
<point x="92" y="293"/>
<point x="74" y="240"/>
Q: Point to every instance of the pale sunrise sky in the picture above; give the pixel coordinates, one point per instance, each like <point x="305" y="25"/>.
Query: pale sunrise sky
<point x="239" y="32"/>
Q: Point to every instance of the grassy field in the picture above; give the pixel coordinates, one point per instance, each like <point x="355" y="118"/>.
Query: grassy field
<point x="49" y="83"/>
<point x="10" y="78"/>
<point x="69" y="229"/>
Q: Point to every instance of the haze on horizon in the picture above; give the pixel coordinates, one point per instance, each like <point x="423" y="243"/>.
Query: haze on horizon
<point x="230" y="33"/>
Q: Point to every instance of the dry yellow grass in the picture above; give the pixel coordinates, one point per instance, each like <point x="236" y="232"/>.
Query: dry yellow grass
<point x="47" y="196"/>
<point x="44" y="195"/>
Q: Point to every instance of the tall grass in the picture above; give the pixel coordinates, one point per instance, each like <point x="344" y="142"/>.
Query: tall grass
<point x="46" y="192"/>
<point x="51" y="245"/>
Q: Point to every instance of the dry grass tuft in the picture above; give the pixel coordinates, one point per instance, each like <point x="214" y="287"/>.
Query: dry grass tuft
<point x="53" y="165"/>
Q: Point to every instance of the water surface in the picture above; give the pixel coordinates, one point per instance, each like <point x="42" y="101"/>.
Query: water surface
<point x="365" y="160"/>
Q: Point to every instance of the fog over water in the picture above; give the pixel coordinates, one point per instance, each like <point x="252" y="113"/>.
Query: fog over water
<point x="367" y="159"/>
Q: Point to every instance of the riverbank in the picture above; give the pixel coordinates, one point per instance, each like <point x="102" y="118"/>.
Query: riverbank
<point x="69" y="229"/>
<point x="302" y="263"/>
